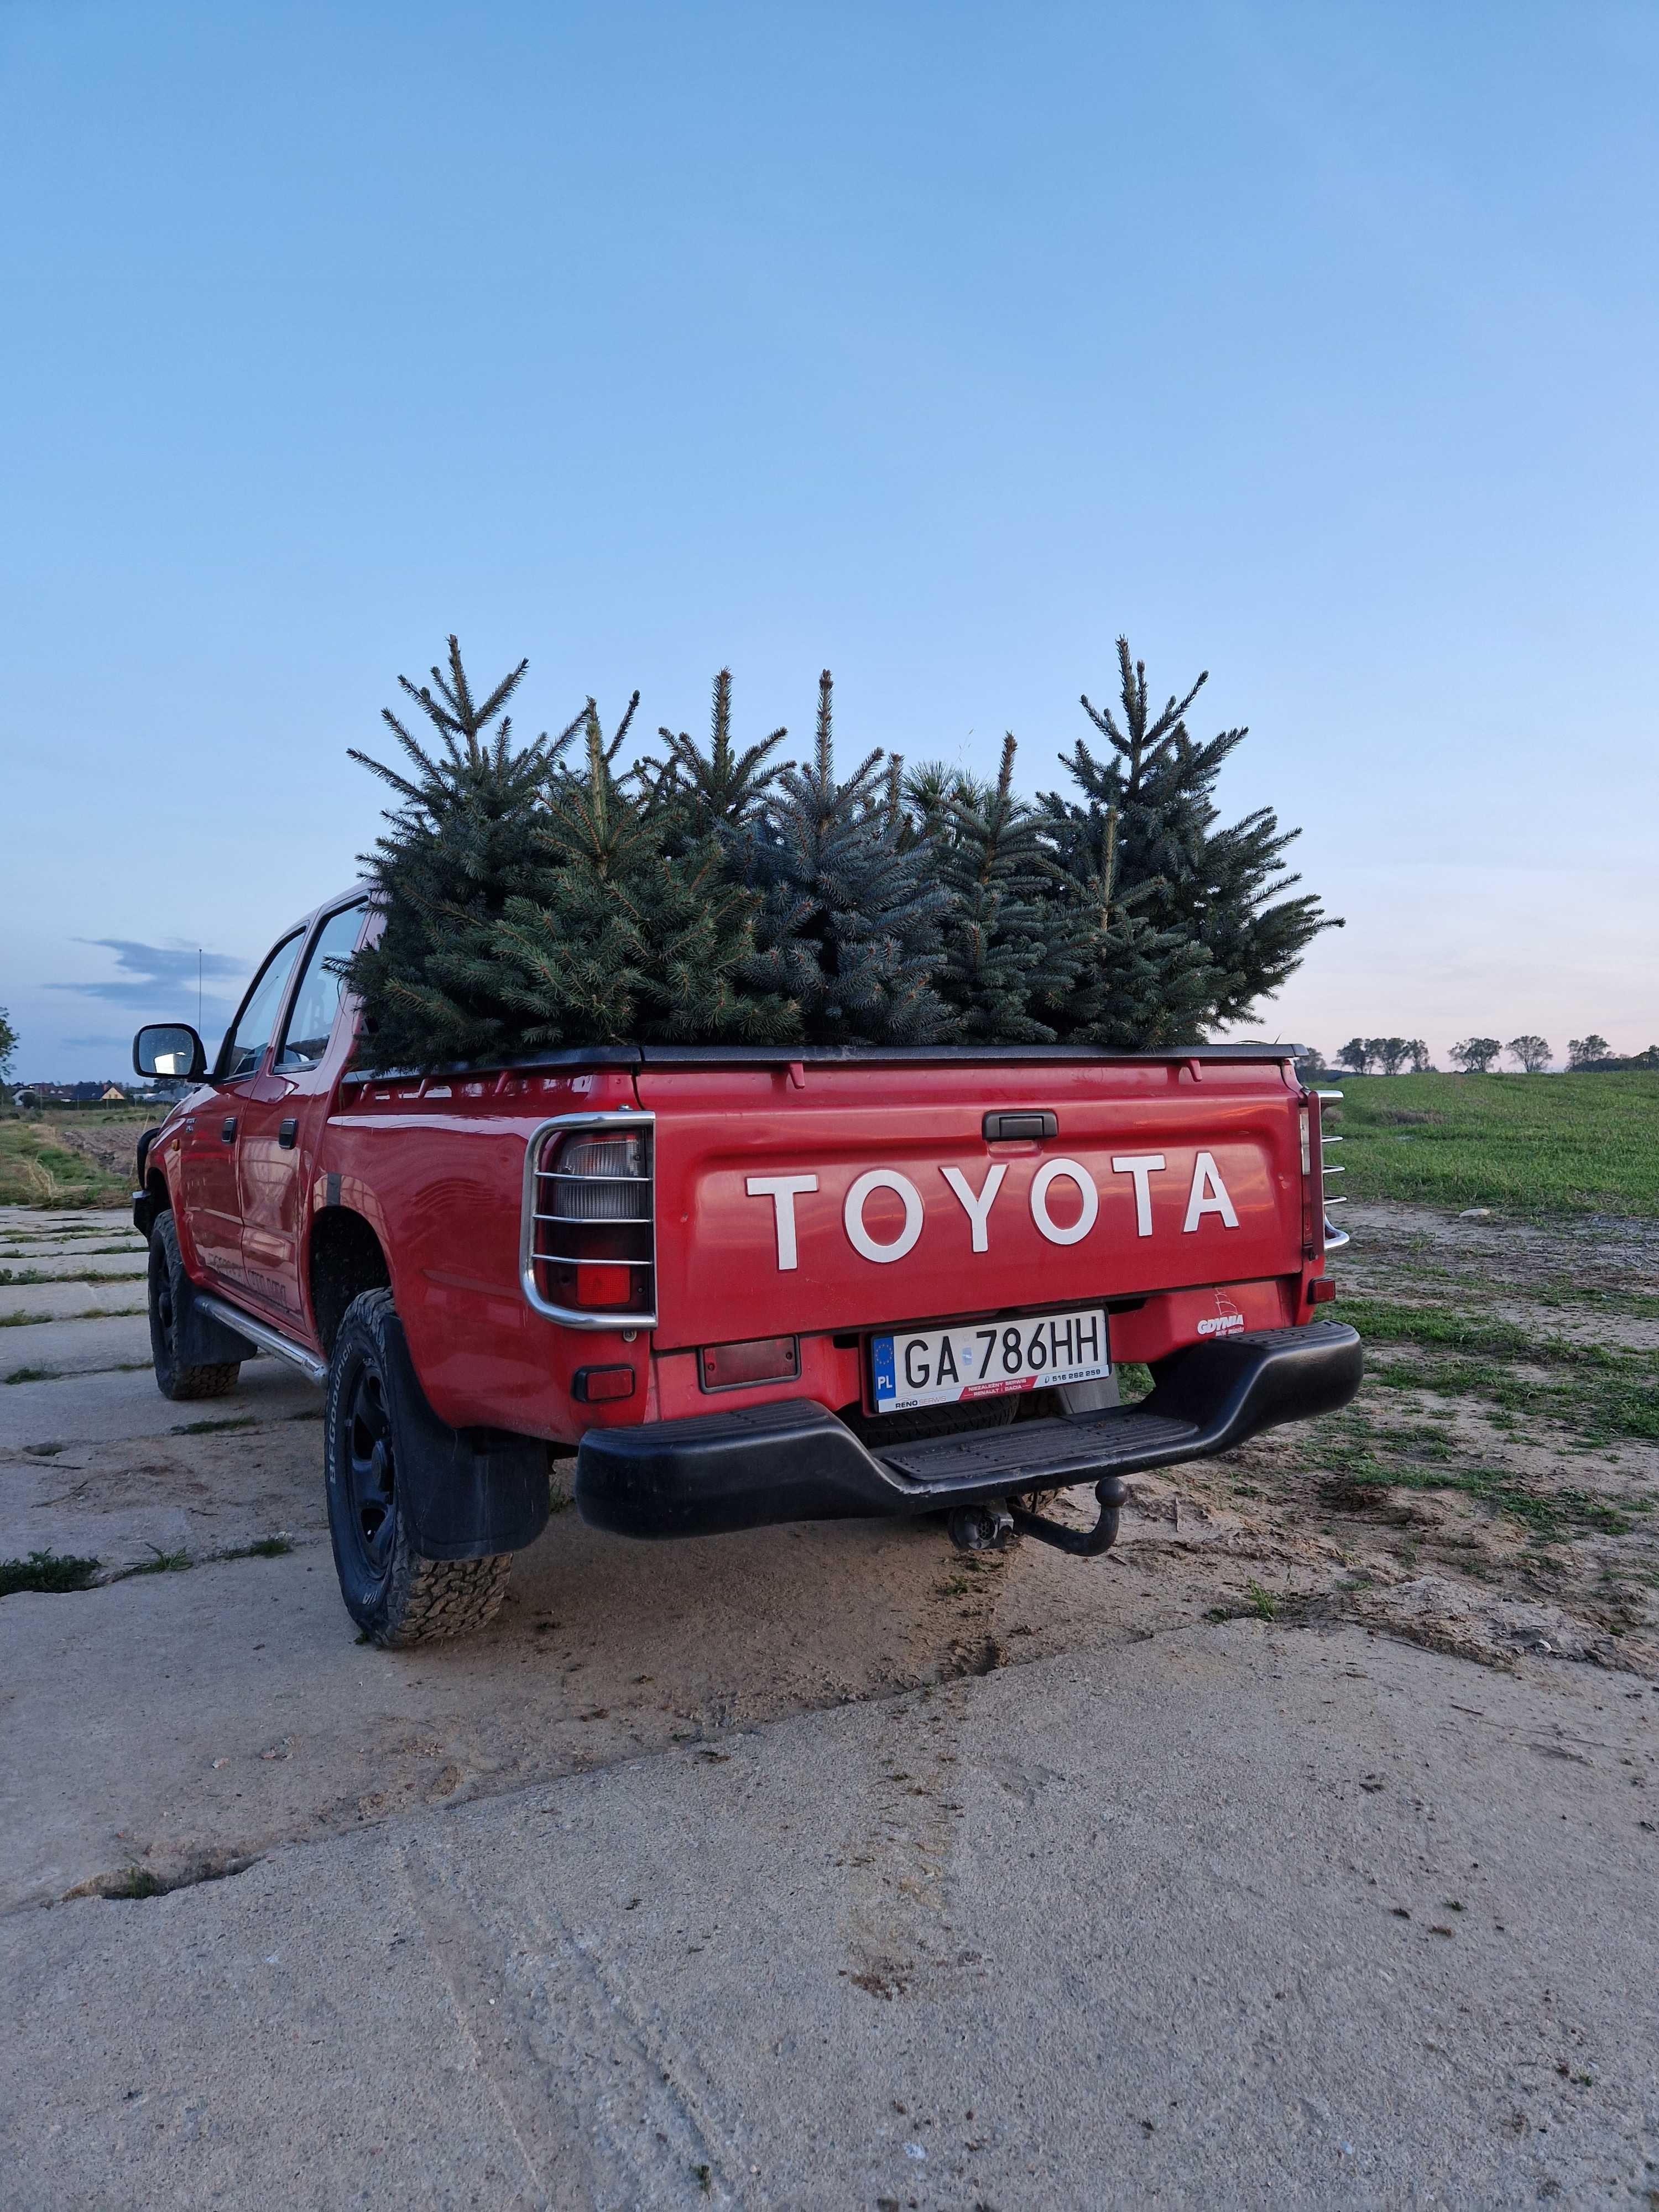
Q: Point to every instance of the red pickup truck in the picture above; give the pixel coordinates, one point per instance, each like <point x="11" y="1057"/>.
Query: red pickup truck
<point x="743" y="1285"/>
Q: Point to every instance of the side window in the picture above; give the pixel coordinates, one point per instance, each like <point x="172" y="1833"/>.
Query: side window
<point x="250" y="1033"/>
<point x="317" y="1001"/>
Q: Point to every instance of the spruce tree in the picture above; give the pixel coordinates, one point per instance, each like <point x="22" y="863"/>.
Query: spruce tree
<point x="1136" y="986"/>
<point x="850" y="926"/>
<point x="929" y="792"/>
<point x="713" y="893"/>
<point x="458" y="847"/>
<point x="719" y="792"/>
<point x="614" y="937"/>
<point x="1011" y="938"/>
<point x="1188" y="881"/>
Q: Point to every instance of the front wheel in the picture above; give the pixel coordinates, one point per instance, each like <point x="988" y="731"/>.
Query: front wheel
<point x="169" y="1294"/>
<point x="395" y="1594"/>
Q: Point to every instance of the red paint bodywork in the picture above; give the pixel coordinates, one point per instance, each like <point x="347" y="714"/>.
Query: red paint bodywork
<point x="436" y="1166"/>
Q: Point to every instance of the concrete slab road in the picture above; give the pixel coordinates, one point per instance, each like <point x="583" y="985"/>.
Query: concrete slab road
<point x="1237" y="1915"/>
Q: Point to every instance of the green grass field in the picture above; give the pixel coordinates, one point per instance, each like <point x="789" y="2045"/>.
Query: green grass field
<point x="38" y="1168"/>
<point x="1527" y="1144"/>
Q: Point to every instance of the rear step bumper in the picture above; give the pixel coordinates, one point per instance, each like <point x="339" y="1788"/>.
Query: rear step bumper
<point x="793" y="1460"/>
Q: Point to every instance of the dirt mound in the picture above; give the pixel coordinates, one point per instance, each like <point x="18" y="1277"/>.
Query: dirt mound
<point x="1475" y="1623"/>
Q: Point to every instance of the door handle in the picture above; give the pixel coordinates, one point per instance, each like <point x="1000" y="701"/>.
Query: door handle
<point x="227" y="1128"/>
<point x="287" y="1133"/>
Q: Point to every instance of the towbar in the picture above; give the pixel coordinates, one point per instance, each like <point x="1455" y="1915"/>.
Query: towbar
<point x="794" y="1460"/>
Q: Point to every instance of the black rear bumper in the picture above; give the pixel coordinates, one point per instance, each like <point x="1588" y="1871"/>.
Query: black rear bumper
<point x="793" y="1460"/>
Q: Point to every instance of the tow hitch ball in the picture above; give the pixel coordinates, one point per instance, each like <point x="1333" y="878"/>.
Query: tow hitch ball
<point x="987" y="1525"/>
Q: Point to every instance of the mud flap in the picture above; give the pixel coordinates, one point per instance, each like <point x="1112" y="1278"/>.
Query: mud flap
<point x="201" y="1338"/>
<point x="469" y="1493"/>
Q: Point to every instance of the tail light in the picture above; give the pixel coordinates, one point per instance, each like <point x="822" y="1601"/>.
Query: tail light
<point x="588" y="1246"/>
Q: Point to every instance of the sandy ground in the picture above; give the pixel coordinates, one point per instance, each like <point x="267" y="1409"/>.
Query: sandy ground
<point x="216" y="1714"/>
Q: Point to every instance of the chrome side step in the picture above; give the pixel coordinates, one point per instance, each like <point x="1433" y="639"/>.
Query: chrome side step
<point x="260" y="1332"/>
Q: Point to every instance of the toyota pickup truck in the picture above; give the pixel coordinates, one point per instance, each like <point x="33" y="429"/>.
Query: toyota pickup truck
<point x="743" y="1286"/>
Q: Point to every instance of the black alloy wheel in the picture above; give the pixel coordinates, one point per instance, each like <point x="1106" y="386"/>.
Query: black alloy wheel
<point x="163" y="1330"/>
<point x="169" y="1293"/>
<point x="369" y="1475"/>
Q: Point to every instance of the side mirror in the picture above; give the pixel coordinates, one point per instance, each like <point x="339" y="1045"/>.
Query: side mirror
<point x="171" y="1050"/>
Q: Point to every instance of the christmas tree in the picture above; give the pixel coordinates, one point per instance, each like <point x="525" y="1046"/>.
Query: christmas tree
<point x="612" y="936"/>
<point x="718" y="792"/>
<point x="1136" y="986"/>
<point x="709" y="892"/>
<point x="1012" y="940"/>
<point x="850" y="929"/>
<point x="456" y="849"/>
<point x="1188" y="882"/>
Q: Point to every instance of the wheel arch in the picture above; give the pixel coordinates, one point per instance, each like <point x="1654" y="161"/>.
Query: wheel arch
<point x="346" y="1258"/>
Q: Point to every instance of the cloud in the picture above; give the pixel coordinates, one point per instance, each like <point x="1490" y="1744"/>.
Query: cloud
<point x="150" y="974"/>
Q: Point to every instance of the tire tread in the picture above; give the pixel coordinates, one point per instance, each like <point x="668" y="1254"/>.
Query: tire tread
<point x="422" y="1600"/>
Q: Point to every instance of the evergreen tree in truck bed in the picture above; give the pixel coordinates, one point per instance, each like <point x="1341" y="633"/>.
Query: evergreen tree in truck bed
<point x="1190" y="882"/>
<point x="850" y="928"/>
<point x="455" y="851"/>
<point x="716" y="895"/>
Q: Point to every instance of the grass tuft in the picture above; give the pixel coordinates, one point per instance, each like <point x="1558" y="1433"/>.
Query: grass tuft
<point x="266" y="1547"/>
<point x="49" y="1572"/>
<point x="1601" y="1393"/>
<point x="161" y="1563"/>
<point x="136" y="1881"/>
<point x="1355" y="1476"/>
<point x="31" y="1278"/>
<point x="19" y="1317"/>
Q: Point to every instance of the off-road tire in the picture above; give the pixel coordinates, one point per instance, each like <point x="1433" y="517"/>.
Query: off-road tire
<point x="169" y="1288"/>
<point x="395" y="1595"/>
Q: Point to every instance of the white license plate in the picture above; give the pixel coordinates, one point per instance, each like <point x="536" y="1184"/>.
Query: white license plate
<point x="936" y="1366"/>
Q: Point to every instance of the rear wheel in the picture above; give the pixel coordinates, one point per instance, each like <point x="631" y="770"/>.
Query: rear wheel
<point x="169" y="1290"/>
<point x="394" y="1593"/>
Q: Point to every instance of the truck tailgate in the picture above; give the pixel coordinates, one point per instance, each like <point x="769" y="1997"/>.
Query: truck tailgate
<point x="854" y="1196"/>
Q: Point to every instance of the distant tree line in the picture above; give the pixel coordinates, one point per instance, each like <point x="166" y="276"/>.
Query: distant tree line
<point x="1477" y="1055"/>
<point x="1593" y="1054"/>
<point x="1389" y="1056"/>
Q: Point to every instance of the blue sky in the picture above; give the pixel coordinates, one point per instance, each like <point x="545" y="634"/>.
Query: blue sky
<point x="1311" y="345"/>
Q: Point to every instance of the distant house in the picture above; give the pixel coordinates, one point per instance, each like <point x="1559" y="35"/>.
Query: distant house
<point x="76" y="1094"/>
